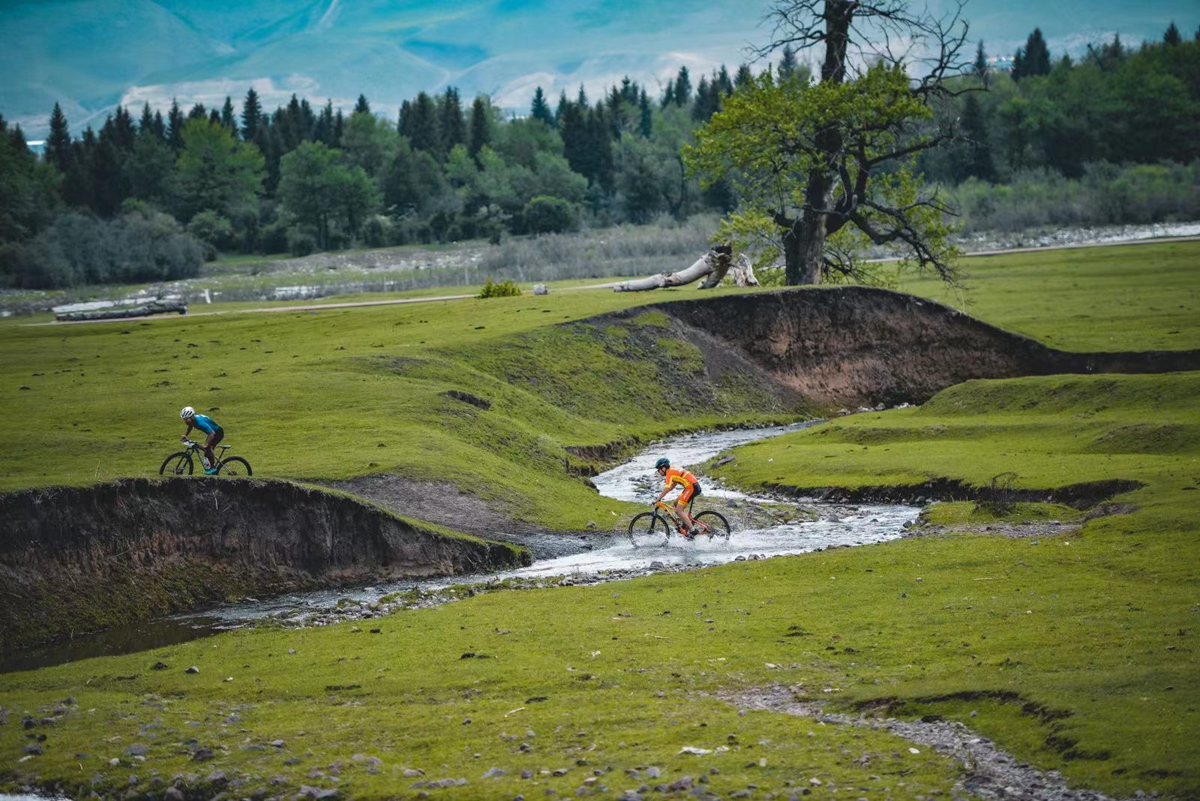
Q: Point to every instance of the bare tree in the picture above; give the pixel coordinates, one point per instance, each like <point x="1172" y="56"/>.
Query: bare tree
<point x="811" y="161"/>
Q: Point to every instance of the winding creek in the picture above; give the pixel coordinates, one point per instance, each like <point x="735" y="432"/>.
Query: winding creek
<point x="761" y="528"/>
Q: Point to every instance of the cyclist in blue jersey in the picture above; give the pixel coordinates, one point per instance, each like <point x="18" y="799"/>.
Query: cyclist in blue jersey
<point x="209" y="426"/>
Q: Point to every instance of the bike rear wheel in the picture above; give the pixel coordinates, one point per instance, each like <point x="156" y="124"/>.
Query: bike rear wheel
<point x="715" y="523"/>
<point x="177" y="464"/>
<point x="234" y="467"/>
<point x="648" y="530"/>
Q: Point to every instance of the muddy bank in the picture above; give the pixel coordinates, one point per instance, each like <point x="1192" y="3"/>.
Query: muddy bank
<point x="860" y="346"/>
<point x="1084" y="495"/>
<point x="74" y="560"/>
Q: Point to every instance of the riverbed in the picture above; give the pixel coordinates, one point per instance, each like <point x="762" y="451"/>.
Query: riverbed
<point x="762" y="528"/>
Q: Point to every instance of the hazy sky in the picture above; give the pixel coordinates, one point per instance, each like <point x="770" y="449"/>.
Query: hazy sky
<point x="91" y="54"/>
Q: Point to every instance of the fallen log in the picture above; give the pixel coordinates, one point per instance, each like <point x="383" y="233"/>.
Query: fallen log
<point x="713" y="267"/>
<point x="154" y="307"/>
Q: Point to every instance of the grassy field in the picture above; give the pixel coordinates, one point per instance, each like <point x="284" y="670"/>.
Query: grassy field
<point x="1075" y="652"/>
<point x="339" y="393"/>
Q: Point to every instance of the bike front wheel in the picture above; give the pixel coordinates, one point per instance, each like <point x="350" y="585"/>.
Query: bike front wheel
<point x="715" y="524"/>
<point x="177" y="464"/>
<point x="648" y="530"/>
<point x="235" y="467"/>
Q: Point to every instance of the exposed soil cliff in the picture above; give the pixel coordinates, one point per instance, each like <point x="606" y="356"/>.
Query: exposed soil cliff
<point x="854" y="346"/>
<point x="79" y="559"/>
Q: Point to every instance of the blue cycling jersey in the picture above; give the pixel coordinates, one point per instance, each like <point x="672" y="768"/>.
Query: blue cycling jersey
<point x="205" y="424"/>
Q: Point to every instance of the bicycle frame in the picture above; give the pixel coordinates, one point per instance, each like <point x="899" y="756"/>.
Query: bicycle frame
<point x="668" y="511"/>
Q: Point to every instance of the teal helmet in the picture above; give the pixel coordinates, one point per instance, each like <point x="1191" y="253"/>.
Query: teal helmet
<point x="662" y="463"/>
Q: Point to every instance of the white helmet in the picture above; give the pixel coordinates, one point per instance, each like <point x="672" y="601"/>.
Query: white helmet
<point x="188" y="413"/>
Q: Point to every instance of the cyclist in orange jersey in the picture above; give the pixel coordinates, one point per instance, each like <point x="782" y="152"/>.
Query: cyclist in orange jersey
<point x="678" y="477"/>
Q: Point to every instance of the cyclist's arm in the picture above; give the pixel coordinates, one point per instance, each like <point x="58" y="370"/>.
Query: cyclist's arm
<point x="189" y="429"/>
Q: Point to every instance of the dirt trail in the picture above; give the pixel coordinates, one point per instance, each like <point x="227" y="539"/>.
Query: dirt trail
<point x="990" y="772"/>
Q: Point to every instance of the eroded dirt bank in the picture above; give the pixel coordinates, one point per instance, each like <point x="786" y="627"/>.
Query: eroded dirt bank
<point x="79" y="559"/>
<point x="855" y="346"/>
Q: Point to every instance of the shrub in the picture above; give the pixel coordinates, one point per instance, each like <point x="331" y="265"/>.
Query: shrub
<point x="505" y="289"/>
<point x="549" y="215"/>
<point x="214" y="232"/>
<point x="78" y="249"/>
<point x="300" y="242"/>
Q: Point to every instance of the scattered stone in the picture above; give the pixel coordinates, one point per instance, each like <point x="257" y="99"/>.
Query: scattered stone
<point x="413" y="772"/>
<point x="192" y="669"/>
<point x="494" y="773"/>
<point x="33" y="749"/>
<point x="138" y="749"/>
<point x="203" y="754"/>
<point x="159" y="666"/>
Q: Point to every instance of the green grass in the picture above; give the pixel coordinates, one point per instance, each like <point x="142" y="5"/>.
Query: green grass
<point x="340" y="393"/>
<point x="1132" y="297"/>
<point x="1109" y="619"/>
<point x="1075" y="653"/>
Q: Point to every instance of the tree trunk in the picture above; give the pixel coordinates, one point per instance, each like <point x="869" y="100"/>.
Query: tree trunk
<point x="804" y="242"/>
<point x="712" y="267"/>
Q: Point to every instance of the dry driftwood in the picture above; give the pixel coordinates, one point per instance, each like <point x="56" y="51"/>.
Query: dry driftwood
<point x="154" y="307"/>
<point x="713" y="267"/>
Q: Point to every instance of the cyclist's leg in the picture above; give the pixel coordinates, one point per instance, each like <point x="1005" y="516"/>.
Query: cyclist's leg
<point x="213" y="439"/>
<point x="681" y="507"/>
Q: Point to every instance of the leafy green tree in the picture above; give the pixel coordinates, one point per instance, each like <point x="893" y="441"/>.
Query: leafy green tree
<point x="151" y="173"/>
<point x="369" y="142"/>
<point x="549" y="215"/>
<point x="217" y="172"/>
<point x="319" y="191"/>
<point x="29" y="188"/>
<point x="822" y="168"/>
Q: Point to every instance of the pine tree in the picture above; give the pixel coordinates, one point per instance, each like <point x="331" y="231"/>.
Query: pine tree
<point x="214" y="117"/>
<point x="668" y="98"/>
<point x="787" y="63"/>
<point x="616" y="112"/>
<point x="124" y="131"/>
<point x="106" y="171"/>
<point x="972" y="158"/>
<point x="1172" y="36"/>
<point x="160" y="127"/>
<point x="683" y="87"/>
<point x="722" y="82"/>
<point x="198" y="112"/>
<point x="175" y="123"/>
<point x="339" y="125"/>
<point x="629" y="90"/>
<point x="582" y="98"/>
<point x="453" y="128"/>
<point x="980" y="61"/>
<point x="540" y="109"/>
<point x="562" y="107"/>
<point x="425" y="134"/>
<point x="227" y="118"/>
<point x="251" y="115"/>
<point x="146" y="124"/>
<point x="481" y="126"/>
<point x="646" y="121"/>
<point x="362" y="106"/>
<point x="1033" y="59"/>
<point x="743" y="78"/>
<point x="58" y="143"/>
<point x="702" y="109"/>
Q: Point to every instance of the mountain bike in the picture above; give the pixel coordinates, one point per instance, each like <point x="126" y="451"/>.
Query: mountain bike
<point x="655" y="527"/>
<point x="180" y="464"/>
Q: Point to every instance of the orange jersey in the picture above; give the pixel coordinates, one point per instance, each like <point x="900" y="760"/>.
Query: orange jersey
<point x="680" y="477"/>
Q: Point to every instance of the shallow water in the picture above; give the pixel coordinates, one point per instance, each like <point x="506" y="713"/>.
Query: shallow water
<point x="835" y="525"/>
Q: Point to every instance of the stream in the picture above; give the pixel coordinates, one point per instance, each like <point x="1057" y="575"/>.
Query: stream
<point x="761" y="528"/>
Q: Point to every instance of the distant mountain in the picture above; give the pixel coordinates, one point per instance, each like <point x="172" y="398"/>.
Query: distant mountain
<point x="90" y="55"/>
